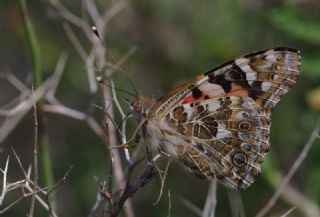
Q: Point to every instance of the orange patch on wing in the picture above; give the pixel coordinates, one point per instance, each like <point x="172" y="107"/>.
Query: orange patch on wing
<point x="190" y="98"/>
<point x="237" y="91"/>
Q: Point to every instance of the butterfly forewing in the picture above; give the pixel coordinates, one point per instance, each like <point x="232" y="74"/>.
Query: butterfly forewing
<point x="217" y="125"/>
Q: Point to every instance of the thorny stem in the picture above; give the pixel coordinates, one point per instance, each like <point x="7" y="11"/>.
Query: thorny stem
<point x="41" y="120"/>
<point x="35" y="156"/>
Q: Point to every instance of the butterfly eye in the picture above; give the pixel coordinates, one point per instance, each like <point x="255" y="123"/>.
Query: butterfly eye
<point x="239" y="159"/>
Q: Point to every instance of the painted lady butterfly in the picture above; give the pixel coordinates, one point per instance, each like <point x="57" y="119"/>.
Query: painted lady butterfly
<point x="217" y="125"/>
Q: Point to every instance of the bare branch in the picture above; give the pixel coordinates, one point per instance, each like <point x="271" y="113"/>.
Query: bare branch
<point x="292" y="171"/>
<point x="236" y="205"/>
<point x="163" y="179"/>
<point x="169" y="204"/>
<point x="191" y="206"/>
<point x="288" y="212"/>
<point x="66" y="14"/>
<point x="93" y="11"/>
<point x="211" y="201"/>
<point x="15" y="114"/>
<point x="4" y="181"/>
<point x="35" y="155"/>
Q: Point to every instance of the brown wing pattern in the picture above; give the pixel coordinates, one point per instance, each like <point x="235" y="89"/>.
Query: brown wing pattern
<point x="217" y="125"/>
<point x="265" y="76"/>
<point x="226" y="138"/>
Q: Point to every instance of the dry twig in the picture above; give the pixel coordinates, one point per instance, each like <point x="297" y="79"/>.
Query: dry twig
<point x="303" y="154"/>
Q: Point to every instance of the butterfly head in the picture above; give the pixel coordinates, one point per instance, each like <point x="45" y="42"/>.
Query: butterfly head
<point x="140" y="105"/>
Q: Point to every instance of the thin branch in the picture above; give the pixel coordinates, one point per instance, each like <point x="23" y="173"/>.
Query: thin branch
<point x="236" y="205"/>
<point x="211" y="201"/>
<point x="93" y="11"/>
<point x="75" y="41"/>
<point x="109" y="14"/>
<point x="35" y="156"/>
<point x="163" y="179"/>
<point x="15" y="114"/>
<point x="169" y="204"/>
<point x="191" y="206"/>
<point x="66" y="14"/>
<point x="145" y="178"/>
<point x="61" y="181"/>
<point x="124" y="123"/>
<point x="288" y="212"/>
<point x="20" y="86"/>
<point x="4" y="181"/>
<point x="291" y="172"/>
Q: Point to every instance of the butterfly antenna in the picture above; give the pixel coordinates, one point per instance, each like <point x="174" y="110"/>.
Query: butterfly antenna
<point x="100" y="80"/>
<point x="131" y="51"/>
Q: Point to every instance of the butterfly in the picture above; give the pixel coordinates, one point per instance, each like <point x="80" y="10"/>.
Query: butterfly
<point x="217" y="125"/>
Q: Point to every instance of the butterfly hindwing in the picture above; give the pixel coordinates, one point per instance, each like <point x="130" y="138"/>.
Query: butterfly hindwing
<point x="226" y="138"/>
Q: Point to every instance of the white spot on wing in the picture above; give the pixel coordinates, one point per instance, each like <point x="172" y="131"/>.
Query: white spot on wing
<point x="271" y="57"/>
<point x="223" y="133"/>
<point x="251" y="75"/>
<point x="212" y="90"/>
<point x="265" y="86"/>
<point x="213" y="106"/>
<point x="241" y="61"/>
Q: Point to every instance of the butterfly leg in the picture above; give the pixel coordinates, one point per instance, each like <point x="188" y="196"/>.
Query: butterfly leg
<point x="132" y="142"/>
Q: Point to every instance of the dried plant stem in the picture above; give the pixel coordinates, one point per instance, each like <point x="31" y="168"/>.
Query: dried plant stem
<point x="236" y="204"/>
<point x="211" y="201"/>
<point x="288" y="212"/>
<point x="291" y="172"/>
<point x="191" y="206"/>
<point x="4" y="181"/>
<point x="35" y="156"/>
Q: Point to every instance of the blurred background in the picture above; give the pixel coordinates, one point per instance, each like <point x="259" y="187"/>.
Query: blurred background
<point x="174" y="40"/>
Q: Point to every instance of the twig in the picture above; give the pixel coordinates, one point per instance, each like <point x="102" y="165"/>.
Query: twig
<point x="163" y="179"/>
<point x="288" y="212"/>
<point x="169" y="204"/>
<point x="66" y="14"/>
<point x="211" y="201"/>
<point x="291" y="172"/>
<point x="93" y="11"/>
<point x="4" y="181"/>
<point x="236" y="204"/>
<point x="124" y="123"/>
<point x="20" y="86"/>
<point x="191" y="206"/>
<point x="106" y="93"/>
<point x="61" y="181"/>
<point x="14" y="115"/>
<point x="75" y="42"/>
<point x="145" y="178"/>
<point x="35" y="155"/>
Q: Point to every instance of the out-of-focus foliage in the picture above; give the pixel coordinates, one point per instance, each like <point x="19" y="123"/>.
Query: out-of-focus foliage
<point x="177" y="40"/>
<point x="303" y="27"/>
